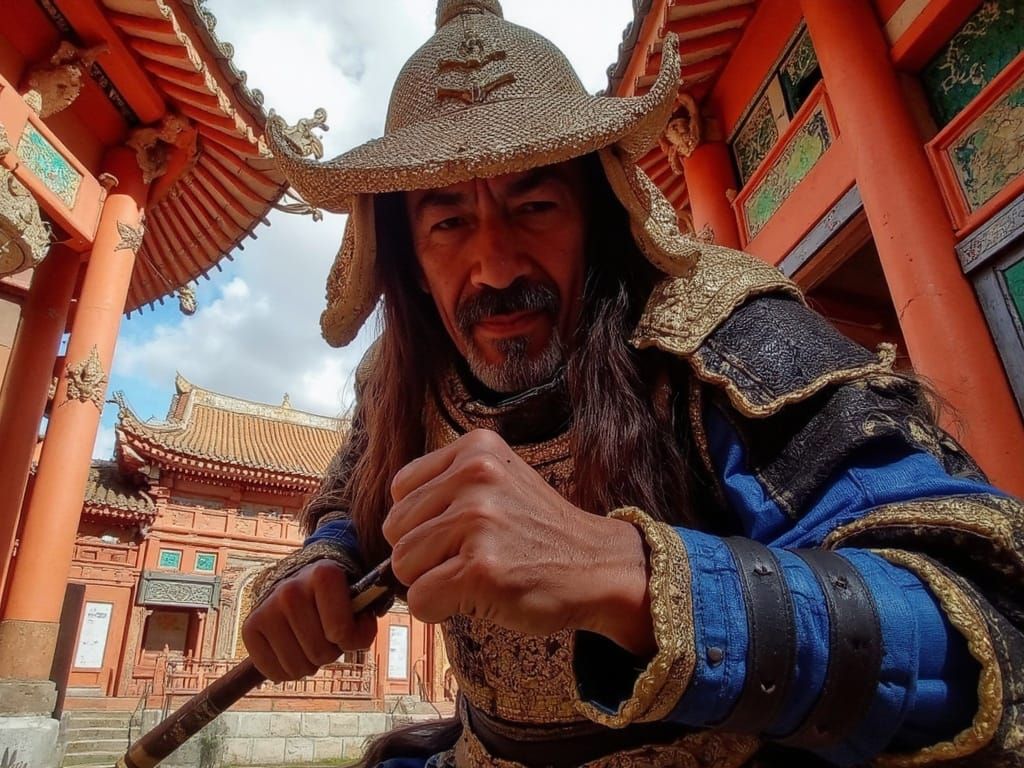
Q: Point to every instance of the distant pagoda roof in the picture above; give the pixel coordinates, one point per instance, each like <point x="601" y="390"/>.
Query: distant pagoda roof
<point x="108" y="494"/>
<point x="210" y="434"/>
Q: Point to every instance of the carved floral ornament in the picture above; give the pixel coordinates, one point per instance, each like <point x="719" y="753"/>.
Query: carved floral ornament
<point x="24" y="236"/>
<point x="53" y="87"/>
<point x="187" y="302"/>
<point x="131" y="237"/>
<point x="87" y="381"/>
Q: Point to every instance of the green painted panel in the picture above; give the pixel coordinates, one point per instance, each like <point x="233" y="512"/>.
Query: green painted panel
<point x="52" y="168"/>
<point x="1014" y="277"/>
<point x="803" y="152"/>
<point x="989" y="40"/>
<point x="990" y="153"/>
<point x="206" y="562"/>
<point x="170" y="559"/>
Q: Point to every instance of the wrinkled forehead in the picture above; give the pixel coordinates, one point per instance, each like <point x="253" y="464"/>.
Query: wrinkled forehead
<point x="566" y="178"/>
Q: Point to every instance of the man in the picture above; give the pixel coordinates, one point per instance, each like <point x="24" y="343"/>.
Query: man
<point x="665" y="514"/>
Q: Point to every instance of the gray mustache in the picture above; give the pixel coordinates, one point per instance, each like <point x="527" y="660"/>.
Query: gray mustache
<point x="520" y="296"/>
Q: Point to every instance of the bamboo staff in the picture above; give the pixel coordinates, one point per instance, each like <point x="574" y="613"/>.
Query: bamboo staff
<point x="204" y="707"/>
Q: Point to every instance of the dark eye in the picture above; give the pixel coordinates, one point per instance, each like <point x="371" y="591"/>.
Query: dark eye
<point x="536" y="206"/>
<point x="452" y="222"/>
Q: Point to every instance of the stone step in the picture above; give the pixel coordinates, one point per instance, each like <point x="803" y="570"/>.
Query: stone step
<point x="98" y="745"/>
<point x="97" y="720"/>
<point x="76" y="733"/>
<point x="90" y="759"/>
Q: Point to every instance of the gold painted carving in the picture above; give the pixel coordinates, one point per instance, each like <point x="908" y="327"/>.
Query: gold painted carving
<point x="87" y="381"/>
<point x="52" y="88"/>
<point x="682" y="135"/>
<point x="187" y="300"/>
<point x="24" y="236"/>
<point x="154" y="144"/>
<point x="706" y="234"/>
<point x="131" y="237"/>
<point x="300" y="137"/>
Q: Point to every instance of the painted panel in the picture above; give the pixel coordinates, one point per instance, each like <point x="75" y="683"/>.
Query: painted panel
<point x="806" y="146"/>
<point x="49" y="165"/>
<point x="1014" y="278"/>
<point x="988" y="155"/>
<point x="755" y="139"/>
<point x="170" y="559"/>
<point x="398" y="652"/>
<point x="797" y="73"/>
<point x="989" y="40"/>
<point x="206" y="562"/>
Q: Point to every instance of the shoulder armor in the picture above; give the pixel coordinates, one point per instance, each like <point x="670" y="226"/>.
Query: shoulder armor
<point x="744" y="328"/>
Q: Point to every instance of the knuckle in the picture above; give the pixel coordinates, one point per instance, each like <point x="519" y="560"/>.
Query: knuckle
<point x="326" y="574"/>
<point x="483" y="468"/>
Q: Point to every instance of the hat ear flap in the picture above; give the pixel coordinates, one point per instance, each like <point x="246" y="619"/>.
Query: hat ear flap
<point x="352" y="289"/>
<point x="659" y="103"/>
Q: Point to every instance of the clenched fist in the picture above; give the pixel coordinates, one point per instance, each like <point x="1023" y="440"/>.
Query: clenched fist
<point x="306" y="622"/>
<point x="476" y="531"/>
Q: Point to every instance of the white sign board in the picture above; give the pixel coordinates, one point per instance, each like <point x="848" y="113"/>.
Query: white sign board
<point x="92" y="639"/>
<point x="398" y="652"/>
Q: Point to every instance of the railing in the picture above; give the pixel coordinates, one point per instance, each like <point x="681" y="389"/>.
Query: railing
<point x="187" y="675"/>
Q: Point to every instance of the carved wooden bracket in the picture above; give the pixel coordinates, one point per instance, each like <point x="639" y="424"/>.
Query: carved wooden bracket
<point x="53" y="87"/>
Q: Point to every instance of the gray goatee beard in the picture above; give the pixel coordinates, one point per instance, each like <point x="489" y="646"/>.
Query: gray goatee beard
<point x="518" y="372"/>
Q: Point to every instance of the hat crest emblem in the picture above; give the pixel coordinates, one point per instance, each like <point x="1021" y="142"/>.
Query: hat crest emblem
<point x="475" y="53"/>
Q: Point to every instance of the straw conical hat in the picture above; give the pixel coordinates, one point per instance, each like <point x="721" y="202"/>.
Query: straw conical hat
<point x="480" y="98"/>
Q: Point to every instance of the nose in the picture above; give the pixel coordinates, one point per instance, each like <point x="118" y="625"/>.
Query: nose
<point x="498" y="261"/>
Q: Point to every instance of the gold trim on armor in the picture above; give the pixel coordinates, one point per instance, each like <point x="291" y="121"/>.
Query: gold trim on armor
<point x="659" y="687"/>
<point x="683" y="311"/>
<point x="965" y="616"/>
<point x="990" y="519"/>
<point x="743" y="404"/>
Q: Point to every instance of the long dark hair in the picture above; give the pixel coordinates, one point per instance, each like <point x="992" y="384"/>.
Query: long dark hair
<point x="625" y="448"/>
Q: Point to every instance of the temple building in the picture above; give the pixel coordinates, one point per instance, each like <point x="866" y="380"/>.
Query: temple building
<point x="873" y="150"/>
<point x="172" y="534"/>
<point x="132" y="161"/>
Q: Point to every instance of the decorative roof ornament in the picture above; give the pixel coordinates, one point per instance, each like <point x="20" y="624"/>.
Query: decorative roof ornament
<point x="87" y="381"/>
<point x="182" y="385"/>
<point x="682" y="134"/>
<point x="24" y="236"/>
<point x="301" y="140"/>
<point x="286" y="403"/>
<point x="187" y="302"/>
<point x="54" y="87"/>
<point x="154" y="144"/>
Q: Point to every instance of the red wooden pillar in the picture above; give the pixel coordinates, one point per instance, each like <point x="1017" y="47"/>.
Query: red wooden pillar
<point x="28" y="382"/>
<point x="28" y="631"/>
<point x="709" y="175"/>
<point x="945" y="331"/>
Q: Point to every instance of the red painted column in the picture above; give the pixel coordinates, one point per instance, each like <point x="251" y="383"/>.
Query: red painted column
<point x="28" y="630"/>
<point x="946" y="334"/>
<point x="709" y="175"/>
<point x="23" y="401"/>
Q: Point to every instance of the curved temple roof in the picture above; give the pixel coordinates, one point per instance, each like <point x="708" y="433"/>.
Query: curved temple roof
<point x="207" y="433"/>
<point x="220" y="180"/>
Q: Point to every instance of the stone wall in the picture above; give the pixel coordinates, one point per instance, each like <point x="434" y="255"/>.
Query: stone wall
<point x="276" y="738"/>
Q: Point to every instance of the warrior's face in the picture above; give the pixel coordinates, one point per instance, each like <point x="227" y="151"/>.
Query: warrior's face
<point x="503" y="259"/>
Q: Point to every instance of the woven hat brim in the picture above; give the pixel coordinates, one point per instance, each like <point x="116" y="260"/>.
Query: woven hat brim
<point x="485" y="140"/>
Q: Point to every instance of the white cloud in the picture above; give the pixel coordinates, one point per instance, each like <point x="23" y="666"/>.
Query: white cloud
<point x="103" y="448"/>
<point x="256" y="335"/>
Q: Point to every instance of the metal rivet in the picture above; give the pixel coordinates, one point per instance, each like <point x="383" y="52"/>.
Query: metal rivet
<point x="715" y="655"/>
<point x="762" y="569"/>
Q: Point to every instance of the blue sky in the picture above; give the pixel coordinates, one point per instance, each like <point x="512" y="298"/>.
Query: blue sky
<point x="256" y="333"/>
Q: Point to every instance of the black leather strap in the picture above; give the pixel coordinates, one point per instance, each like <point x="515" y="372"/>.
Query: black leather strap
<point x="771" y="648"/>
<point x="855" y="653"/>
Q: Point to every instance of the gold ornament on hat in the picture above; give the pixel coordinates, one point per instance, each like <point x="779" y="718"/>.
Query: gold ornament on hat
<point x="484" y="97"/>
